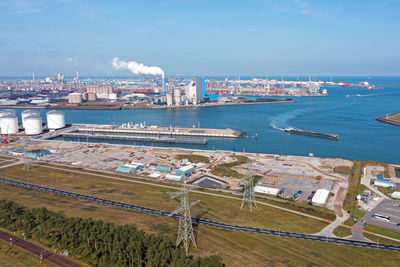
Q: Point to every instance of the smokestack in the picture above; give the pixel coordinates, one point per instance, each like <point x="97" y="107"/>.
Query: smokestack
<point x="163" y="85"/>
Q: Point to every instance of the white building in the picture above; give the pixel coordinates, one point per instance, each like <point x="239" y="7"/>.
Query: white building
<point x="266" y="190"/>
<point x="320" y="196"/>
<point x="384" y="184"/>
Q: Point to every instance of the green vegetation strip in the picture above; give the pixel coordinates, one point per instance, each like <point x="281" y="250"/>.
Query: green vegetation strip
<point x="236" y="248"/>
<point x="350" y="203"/>
<point x="97" y="242"/>
<point x="225" y="169"/>
<point x="194" y="158"/>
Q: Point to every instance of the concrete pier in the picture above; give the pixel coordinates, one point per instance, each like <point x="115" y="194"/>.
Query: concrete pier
<point x="99" y="136"/>
<point x="171" y="131"/>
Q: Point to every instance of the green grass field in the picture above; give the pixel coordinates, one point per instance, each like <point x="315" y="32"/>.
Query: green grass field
<point x="210" y="207"/>
<point x="342" y="231"/>
<point x="236" y="248"/>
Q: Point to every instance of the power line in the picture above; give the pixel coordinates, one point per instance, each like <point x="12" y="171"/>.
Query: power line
<point x="185" y="229"/>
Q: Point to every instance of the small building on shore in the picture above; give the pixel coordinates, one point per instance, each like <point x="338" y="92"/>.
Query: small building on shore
<point x="37" y="153"/>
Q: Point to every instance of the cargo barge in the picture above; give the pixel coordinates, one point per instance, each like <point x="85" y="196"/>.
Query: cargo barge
<point x="315" y="134"/>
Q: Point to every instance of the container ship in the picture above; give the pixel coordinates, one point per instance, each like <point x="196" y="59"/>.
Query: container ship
<point x="322" y="135"/>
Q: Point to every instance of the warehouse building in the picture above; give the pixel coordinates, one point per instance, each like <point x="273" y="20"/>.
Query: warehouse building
<point x="185" y="170"/>
<point x="123" y="169"/>
<point x="320" y="196"/>
<point x="37" y="153"/>
<point x="163" y="168"/>
<point x="266" y="190"/>
<point x="384" y="184"/>
<point x="134" y="166"/>
<point x="177" y="178"/>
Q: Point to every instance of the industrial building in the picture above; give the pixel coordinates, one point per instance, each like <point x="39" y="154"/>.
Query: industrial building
<point x="134" y="166"/>
<point x="123" y="169"/>
<point x="266" y="190"/>
<point x="384" y="184"/>
<point x="320" y="196"/>
<point x="37" y="153"/>
<point x="163" y="168"/>
<point x="195" y="91"/>
<point x="177" y="178"/>
<point x="185" y="170"/>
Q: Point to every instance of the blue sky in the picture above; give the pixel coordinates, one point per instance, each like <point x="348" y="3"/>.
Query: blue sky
<point x="293" y="37"/>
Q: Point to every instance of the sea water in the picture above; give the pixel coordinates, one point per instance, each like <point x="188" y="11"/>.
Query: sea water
<point x="353" y="119"/>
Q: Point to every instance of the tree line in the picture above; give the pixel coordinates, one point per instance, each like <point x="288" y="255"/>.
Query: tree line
<point x="96" y="242"/>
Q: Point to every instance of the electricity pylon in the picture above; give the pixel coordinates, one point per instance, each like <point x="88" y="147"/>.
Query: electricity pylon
<point x="248" y="190"/>
<point x="27" y="163"/>
<point x="185" y="230"/>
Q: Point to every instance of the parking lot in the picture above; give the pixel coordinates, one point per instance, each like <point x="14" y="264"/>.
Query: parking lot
<point x="389" y="209"/>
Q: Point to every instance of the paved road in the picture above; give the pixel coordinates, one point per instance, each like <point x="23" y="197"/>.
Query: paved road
<point x="224" y="226"/>
<point x="36" y="250"/>
<point x="366" y="181"/>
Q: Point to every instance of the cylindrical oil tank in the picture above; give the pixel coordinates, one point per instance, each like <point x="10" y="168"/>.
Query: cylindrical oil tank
<point x="9" y="124"/>
<point x="6" y="112"/>
<point x="75" y="98"/>
<point x="33" y="125"/>
<point x="92" y="96"/>
<point x="55" y="119"/>
<point x="27" y="113"/>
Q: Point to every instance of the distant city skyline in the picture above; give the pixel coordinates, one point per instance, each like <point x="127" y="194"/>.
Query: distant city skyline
<point x="289" y="37"/>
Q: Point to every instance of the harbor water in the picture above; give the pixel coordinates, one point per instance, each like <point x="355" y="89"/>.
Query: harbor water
<point x="352" y="118"/>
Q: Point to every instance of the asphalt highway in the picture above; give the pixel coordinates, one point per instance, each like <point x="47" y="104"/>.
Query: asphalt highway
<point x="334" y="240"/>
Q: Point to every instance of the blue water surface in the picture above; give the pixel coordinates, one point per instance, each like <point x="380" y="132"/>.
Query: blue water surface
<point x="361" y="137"/>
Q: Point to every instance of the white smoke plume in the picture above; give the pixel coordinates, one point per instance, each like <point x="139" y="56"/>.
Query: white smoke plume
<point x="136" y="68"/>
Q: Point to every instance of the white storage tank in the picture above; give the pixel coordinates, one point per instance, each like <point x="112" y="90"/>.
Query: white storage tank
<point x="9" y="124"/>
<point x="6" y="112"/>
<point x="33" y="125"/>
<point x="55" y="119"/>
<point x="27" y="113"/>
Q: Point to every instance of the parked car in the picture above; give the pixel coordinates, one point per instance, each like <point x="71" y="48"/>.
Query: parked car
<point x="309" y="198"/>
<point x="281" y="191"/>
<point x="299" y="192"/>
<point x="295" y="196"/>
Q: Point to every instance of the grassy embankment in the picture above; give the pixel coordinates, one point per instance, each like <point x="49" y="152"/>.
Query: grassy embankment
<point x="225" y="169"/>
<point x="193" y="158"/>
<point x="236" y="248"/>
<point x="292" y="205"/>
<point x="350" y="203"/>
<point x="382" y="231"/>
<point x="11" y="256"/>
<point x="210" y="207"/>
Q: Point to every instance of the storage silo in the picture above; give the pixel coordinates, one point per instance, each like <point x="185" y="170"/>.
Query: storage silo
<point x="9" y="124"/>
<point x="55" y="119"/>
<point x="6" y="112"/>
<point x="177" y="96"/>
<point x="27" y="113"/>
<point x="33" y="125"/>
<point x="92" y="96"/>
<point x="75" y="98"/>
